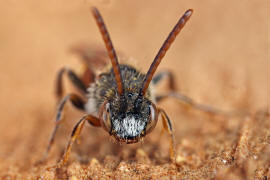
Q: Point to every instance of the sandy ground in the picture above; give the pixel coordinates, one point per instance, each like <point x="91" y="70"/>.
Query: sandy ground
<point x="221" y="58"/>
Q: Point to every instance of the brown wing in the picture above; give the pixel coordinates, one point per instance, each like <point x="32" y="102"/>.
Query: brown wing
<point x="94" y="58"/>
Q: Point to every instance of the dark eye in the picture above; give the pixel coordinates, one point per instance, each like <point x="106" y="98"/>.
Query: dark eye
<point x="130" y="95"/>
<point x="106" y="118"/>
<point x="153" y="119"/>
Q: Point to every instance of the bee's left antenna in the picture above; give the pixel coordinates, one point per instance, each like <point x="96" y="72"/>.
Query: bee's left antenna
<point x="166" y="45"/>
<point x="111" y="52"/>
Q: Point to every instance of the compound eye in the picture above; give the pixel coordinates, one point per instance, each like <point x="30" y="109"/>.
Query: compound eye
<point x="153" y="118"/>
<point x="106" y="121"/>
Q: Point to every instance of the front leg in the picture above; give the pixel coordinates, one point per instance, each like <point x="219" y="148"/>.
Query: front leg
<point x="167" y="125"/>
<point x="74" y="135"/>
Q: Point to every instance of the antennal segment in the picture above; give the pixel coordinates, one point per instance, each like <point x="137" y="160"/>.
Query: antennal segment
<point x="110" y="49"/>
<point x="164" y="48"/>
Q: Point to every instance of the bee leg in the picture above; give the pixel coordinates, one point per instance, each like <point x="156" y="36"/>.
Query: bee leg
<point x="77" y="102"/>
<point x="182" y="97"/>
<point x="92" y="58"/>
<point x="191" y="102"/>
<point x="167" y="125"/>
<point x="74" y="135"/>
<point x="161" y="75"/>
<point x="76" y="81"/>
<point x="88" y="75"/>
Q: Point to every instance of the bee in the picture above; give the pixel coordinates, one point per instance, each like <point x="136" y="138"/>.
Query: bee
<point x="121" y="100"/>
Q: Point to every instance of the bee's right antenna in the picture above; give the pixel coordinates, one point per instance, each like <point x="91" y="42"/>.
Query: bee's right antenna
<point x="166" y="45"/>
<point x="110" y="49"/>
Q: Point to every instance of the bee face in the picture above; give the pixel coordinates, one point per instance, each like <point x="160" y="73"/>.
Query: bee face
<point x="132" y="121"/>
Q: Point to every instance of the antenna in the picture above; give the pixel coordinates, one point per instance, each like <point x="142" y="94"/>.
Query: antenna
<point x="164" y="48"/>
<point x="110" y="49"/>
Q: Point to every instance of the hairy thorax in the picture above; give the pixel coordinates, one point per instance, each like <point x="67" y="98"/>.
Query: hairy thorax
<point x="105" y="88"/>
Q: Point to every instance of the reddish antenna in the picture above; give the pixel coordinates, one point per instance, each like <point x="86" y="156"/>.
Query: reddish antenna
<point x="164" y="48"/>
<point x="110" y="49"/>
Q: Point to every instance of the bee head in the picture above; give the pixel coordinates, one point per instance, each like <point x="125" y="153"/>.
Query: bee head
<point x="131" y="121"/>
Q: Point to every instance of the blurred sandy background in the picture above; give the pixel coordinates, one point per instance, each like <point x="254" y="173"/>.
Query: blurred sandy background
<point x="221" y="58"/>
